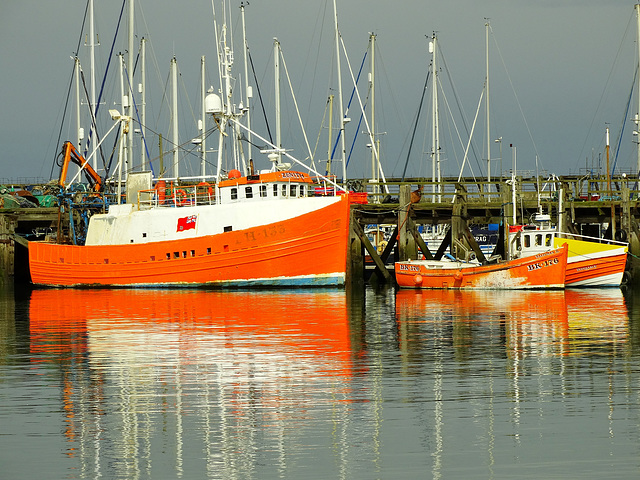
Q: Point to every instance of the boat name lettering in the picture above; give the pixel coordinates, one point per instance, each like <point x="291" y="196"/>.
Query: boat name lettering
<point x="584" y="269"/>
<point x="409" y="268"/>
<point x="546" y="263"/>
<point x="273" y="230"/>
<point x="291" y="175"/>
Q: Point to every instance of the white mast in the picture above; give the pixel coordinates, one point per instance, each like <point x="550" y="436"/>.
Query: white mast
<point x="143" y="103"/>
<point x="513" y="183"/>
<point x="123" y="131"/>
<point x="276" y="60"/>
<point x="330" y="147"/>
<point x="247" y="88"/>
<point x="80" y="130"/>
<point x="343" y="149"/>
<point x="93" y="77"/>
<point x="202" y="126"/>
<point x="123" y="165"/>
<point x="129" y="94"/>
<point x="435" y="133"/>
<point x="372" y="86"/>
<point x="637" y="119"/>
<point x="174" y="115"/>
<point x="225" y="62"/>
<point x="487" y="108"/>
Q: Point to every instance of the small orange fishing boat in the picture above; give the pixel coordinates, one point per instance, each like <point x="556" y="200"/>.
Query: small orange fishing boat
<point x="542" y="271"/>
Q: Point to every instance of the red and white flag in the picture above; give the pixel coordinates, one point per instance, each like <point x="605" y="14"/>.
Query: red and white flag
<point x="187" y="223"/>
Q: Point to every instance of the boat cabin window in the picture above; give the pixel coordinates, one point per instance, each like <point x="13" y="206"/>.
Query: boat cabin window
<point x="292" y="192"/>
<point x="263" y="191"/>
<point x="527" y="241"/>
<point x="248" y="192"/>
<point x="538" y="240"/>
<point x="302" y="190"/>
<point x="284" y="190"/>
<point x="547" y="240"/>
<point x="275" y="190"/>
<point x="234" y="193"/>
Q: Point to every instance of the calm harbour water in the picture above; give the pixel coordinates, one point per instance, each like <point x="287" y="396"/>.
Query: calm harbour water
<point x="156" y="384"/>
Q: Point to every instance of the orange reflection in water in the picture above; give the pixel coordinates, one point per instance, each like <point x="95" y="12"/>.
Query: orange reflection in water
<point x="168" y="352"/>
<point x="305" y="323"/>
<point x="570" y="321"/>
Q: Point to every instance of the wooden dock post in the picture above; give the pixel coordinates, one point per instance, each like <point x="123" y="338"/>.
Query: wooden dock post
<point x="406" y="243"/>
<point x="463" y="244"/>
<point x="7" y="247"/>
<point x="355" y="257"/>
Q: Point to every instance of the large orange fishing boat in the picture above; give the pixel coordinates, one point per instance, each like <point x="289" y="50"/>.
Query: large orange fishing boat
<point x="248" y="227"/>
<point x="265" y="230"/>
<point x="542" y="271"/>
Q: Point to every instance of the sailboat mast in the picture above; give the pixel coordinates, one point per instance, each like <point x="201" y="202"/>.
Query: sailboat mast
<point x="637" y="7"/>
<point x="343" y="153"/>
<point x="487" y="107"/>
<point x="435" y="134"/>
<point x="174" y="115"/>
<point x="129" y="93"/>
<point x="372" y="86"/>
<point x="607" y="153"/>
<point x="330" y="135"/>
<point x="92" y="55"/>
<point x="143" y="102"/>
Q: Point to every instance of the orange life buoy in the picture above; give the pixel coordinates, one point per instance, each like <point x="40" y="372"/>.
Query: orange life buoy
<point x="161" y="188"/>
<point x="180" y="197"/>
<point x="209" y="188"/>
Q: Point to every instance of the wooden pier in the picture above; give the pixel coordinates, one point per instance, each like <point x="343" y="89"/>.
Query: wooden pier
<point x="578" y="204"/>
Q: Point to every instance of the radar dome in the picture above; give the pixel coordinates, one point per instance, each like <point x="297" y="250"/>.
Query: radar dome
<point x="213" y="104"/>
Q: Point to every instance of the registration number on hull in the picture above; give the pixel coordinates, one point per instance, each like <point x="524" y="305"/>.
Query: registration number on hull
<point x="539" y="265"/>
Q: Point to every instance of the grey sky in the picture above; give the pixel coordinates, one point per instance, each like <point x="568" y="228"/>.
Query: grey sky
<point x="570" y="62"/>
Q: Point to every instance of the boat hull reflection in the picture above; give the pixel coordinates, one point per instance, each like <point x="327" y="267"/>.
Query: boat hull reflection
<point x="549" y="322"/>
<point x="310" y="324"/>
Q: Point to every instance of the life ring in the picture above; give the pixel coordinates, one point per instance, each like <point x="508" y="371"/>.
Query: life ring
<point x="180" y="197"/>
<point x="161" y="189"/>
<point x="209" y="187"/>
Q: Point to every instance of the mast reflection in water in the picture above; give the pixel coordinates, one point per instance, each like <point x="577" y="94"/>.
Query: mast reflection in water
<point x="319" y="384"/>
<point x="145" y="370"/>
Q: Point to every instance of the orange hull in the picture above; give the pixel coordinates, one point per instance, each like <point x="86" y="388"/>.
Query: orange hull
<point x="545" y="270"/>
<point x="596" y="271"/>
<point x="310" y="250"/>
